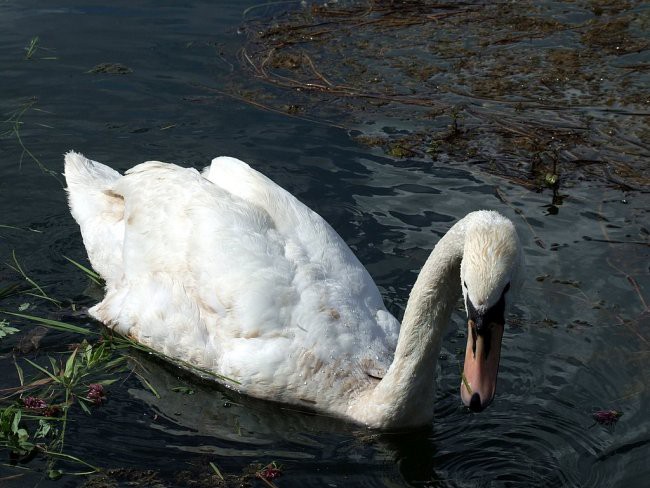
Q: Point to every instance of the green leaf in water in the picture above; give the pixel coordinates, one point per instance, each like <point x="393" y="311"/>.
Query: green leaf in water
<point x="70" y="369"/>
<point x="44" y="428"/>
<point x="216" y="470"/>
<point x="31" y="48"/>
<point x="5" y="329"/>
<point x="95" y="278"/>
<point x="54" y="474"/>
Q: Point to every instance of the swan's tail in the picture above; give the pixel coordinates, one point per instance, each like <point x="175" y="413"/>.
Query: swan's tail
<point x="98" y="210"/>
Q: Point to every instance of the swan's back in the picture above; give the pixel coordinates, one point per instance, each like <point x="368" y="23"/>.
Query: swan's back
<point x="230" y="272"/>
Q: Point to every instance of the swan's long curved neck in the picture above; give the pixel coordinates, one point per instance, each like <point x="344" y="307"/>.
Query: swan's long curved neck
<point x="406" y="393"/>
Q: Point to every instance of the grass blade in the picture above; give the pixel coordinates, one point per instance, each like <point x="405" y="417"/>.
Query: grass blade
<point x="69" y="364"/>
<point x="70" y="458"/>
<point x="12" y="289"/>
<point x="149" y="385"/>
<point x="24" y="275"/>
<point x="53" y="324"/>
<point x="216" y="470"/>
<point x="32" y="47"/>
<point x="19" y="370"/>
<point x="43" y="297"/>
<point x="43" y="370"/>
<point x="89" y="272"/>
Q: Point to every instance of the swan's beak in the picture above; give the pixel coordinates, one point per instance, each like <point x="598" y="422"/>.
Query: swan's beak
<point x="482" y="355"/>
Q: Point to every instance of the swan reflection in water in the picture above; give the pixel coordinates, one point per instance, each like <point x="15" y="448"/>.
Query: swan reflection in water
<point x="201" y="417"/>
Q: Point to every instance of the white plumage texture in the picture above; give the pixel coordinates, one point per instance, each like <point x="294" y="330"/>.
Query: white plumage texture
<point x="230" y="272"/>
<point x="226" y="271"/>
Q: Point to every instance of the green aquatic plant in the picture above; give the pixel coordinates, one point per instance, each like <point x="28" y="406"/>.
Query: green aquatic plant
<point x="73" y="379"/>
<point x="37" y="291"/>
<point x="216" y="470"/>
<point x="37" y="422"/>
<point x="12" y="435"/>
<point x="32" y="47"/>
<point x="12" y="125"/>
<point x="92" y="275"/>
<point x="6" y="329"/>
<point x="34" y="415"/>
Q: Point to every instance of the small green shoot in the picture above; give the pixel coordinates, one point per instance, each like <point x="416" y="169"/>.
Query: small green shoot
<point x="32" y="47"/>
<point x="94" y="277"/>
<point x="14" y="123"/>
<point x="149" y="385"/>
<point x="216" y="470"/>
<point x="12" y="435"/>
<point x="40" y="292"/>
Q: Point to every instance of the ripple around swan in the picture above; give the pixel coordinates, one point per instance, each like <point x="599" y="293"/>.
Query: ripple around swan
<point x="539" y="430"/>
<point x="510" y="449"/>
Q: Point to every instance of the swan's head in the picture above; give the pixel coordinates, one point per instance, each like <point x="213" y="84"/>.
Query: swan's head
<point x="490" y="278"/>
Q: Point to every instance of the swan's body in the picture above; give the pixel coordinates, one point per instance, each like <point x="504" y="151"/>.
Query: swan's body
<point x="227" y="271"/>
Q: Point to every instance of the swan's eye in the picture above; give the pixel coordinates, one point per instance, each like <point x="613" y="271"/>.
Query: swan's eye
<point x="505" y="290"/>
<point x="465" y="284"/>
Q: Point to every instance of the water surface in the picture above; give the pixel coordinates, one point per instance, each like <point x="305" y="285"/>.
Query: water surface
<point x="577" y="340"/>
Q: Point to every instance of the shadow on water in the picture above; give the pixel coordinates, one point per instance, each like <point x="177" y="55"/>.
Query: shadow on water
<point x="391" y="124"/>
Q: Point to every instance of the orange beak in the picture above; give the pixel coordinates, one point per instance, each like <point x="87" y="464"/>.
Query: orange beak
<point x="482" y="355"/>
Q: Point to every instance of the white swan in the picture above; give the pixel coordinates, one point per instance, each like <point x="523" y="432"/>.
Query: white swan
<point x="229" y="272"/>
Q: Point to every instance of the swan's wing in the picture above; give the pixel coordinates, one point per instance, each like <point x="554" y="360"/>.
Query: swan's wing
<point x="98" y="210"/>
<point x="324" y="266"/>
<point x="290" y="216"/>
<point x="242" y="278"/>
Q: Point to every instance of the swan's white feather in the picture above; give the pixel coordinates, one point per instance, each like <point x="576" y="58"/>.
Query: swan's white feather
<point x="98" y="211"/>
<point x="189" y="261"/>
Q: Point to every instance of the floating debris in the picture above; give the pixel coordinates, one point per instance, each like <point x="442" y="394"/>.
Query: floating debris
<point x="31" y="48"/>
<point x="607" y="417"/>
<point x="511" y="95"/>
<point x="110" y="69"/>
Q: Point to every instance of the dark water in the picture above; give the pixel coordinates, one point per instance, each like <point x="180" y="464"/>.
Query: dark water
<point x="579" y="336"/>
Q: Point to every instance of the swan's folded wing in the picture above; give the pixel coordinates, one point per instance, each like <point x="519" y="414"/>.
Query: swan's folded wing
<point x="310" y="239"/>
<point x="99" y="211"/>
<point x="339" y="303"/>
<point x="237" y="280"/>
